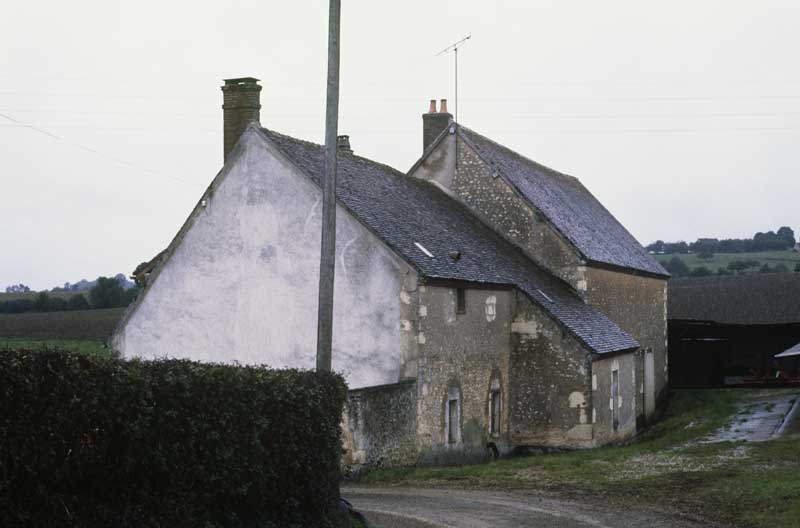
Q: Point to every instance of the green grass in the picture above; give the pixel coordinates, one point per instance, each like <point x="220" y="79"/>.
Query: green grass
<point x="81" y="346"/>
<point x="721" y="260"/>
<point x="753" y="485"/>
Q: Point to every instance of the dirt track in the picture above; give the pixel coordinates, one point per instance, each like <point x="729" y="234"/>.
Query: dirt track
<point x="425" y="508"/>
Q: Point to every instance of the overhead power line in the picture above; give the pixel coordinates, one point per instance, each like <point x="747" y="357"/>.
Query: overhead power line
<point x="289" y="99"/>
<point x="97" y="152"/>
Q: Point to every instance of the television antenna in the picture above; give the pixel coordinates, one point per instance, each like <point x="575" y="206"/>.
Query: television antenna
<point x="454" y="49"/>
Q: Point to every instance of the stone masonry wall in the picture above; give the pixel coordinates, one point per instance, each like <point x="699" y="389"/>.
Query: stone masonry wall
<point x="626" y="404"/>
<point x="493" y="199"/>
<point x="462" y="354"/>
<point x="638" y="305"/>
<point x="550" y="395"/>
<point x="379" y="427"/>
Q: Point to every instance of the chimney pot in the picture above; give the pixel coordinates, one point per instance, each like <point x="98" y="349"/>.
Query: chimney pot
<point x="343" y="144"/>
<point x="241" y="106"/>
<point x="432" y="108"/>
<point x="443" y="106"/>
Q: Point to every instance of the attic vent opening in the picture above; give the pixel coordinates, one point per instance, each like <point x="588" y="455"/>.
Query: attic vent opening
<point x="422" y="248"/>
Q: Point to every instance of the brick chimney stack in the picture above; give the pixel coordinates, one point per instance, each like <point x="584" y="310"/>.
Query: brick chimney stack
<point x="343" y="143"/>
<point x="241" y="106"/>
<point x="434" y="122"/>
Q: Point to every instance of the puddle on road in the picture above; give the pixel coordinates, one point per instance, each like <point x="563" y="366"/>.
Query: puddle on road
<point x="758" y="421"/>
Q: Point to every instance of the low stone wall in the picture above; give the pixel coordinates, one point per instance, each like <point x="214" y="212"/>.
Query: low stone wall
<point x="379" y="427"/>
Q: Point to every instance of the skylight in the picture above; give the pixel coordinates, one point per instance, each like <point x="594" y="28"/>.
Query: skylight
<point x="422" y="248"/>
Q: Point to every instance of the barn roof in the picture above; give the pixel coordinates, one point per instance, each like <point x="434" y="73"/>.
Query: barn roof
<point x="427" y="228"/>
<point x="759" y="298"/>
<point x="568" y="205"/>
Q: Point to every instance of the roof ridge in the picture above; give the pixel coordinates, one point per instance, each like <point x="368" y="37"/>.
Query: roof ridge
<point x="340" y="153"/>
<point x="522" y="156"/>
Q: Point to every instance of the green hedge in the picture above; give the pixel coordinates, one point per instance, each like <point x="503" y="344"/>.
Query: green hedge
<point x="103" y="442"/>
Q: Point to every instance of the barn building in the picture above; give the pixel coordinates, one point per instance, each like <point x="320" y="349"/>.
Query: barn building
<point x="483" y="302"/>
<point x="727" y="330"/>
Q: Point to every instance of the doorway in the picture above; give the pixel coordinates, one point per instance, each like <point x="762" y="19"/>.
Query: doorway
<point x="649" y="383"/>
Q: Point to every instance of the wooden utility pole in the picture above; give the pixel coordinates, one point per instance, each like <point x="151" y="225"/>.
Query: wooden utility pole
<point x="328" y="250"/>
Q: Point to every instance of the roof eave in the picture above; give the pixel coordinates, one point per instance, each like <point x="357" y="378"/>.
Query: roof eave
<point x="626" y="269"/>
<point x="617" y="352"/>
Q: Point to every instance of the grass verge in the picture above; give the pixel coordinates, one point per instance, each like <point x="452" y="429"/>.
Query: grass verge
<point x="736" y="483"/>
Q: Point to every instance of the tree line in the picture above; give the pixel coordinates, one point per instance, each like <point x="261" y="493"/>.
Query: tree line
<point x="106" y="293"/>
<point x="782" y="239"/>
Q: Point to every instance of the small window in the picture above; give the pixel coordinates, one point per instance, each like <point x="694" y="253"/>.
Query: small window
<point x="453" y="415"/>
<point x="494" y="413"/>
<point x="461" y="301"/>
<point x="452" y="431"/>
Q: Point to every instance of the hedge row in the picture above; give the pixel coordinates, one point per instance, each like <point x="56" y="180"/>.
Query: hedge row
<point x="105" y="442"/>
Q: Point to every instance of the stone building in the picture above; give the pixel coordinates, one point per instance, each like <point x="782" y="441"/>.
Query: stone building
<point x="483" y="303"/>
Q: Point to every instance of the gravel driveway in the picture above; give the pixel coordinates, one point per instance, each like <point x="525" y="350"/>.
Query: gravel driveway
<point x="426" y="508"/>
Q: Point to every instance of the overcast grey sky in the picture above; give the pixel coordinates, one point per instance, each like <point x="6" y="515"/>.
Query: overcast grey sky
<point x="682" y="117"/>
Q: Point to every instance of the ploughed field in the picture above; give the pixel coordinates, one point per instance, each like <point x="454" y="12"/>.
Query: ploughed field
<point x="84" y="325"/>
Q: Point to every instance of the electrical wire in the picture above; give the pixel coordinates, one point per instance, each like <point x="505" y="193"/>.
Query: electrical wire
<point x="98" y="153"/>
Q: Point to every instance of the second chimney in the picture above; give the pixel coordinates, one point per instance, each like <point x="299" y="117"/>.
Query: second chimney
<point x="343" y="144"/>
<point x="434" y="122"/>
<point x="241" y="106"/>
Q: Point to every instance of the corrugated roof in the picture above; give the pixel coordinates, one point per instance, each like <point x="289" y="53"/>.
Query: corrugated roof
<point x="759" y="298"/>
<point x="407" y="213"/>
<point x="568" y="205"/>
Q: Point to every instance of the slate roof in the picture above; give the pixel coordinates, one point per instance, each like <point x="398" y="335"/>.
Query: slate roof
<point x="405" y="211"/>
<point x="759" y="298"/>
<point x="568" y="205"/>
